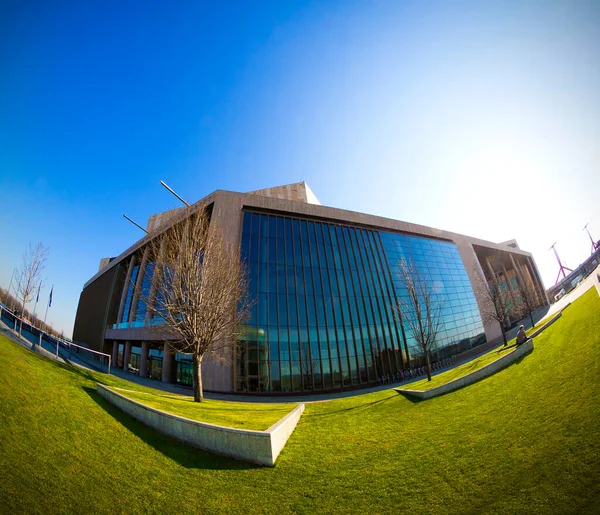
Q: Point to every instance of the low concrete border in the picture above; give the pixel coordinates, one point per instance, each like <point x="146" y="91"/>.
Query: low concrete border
<point x="260" y="447"/>
<point x="485" y="371"/>
<point x="549" y="322"/>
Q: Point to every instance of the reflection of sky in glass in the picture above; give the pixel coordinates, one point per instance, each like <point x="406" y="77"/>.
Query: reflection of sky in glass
<point x="129" y="297"/>
<point x="324" y="293"/>
<point x="439" y="263"/>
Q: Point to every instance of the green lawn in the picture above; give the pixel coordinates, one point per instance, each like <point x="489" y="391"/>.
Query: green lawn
<point x="525" y="440"/>
<point x="460" y="371"/>
<point x="470" y="366"/>
<point x="244" y="415"/>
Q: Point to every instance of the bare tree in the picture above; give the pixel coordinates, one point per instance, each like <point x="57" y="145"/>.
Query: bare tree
<point x="419" y="309"/>
<point x="29" y="275"/>
<point x="527" y="300"/>
<point x="497" y="302"/>
<point x="201" y="290"/>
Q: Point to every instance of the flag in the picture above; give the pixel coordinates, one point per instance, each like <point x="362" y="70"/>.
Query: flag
<point x="38" y="295"/>
<point x="50" y="299"/>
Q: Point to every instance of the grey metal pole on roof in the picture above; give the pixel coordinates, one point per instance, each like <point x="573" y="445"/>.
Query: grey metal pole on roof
<point x="135" y="223"/>
<point x="171" y="190"/>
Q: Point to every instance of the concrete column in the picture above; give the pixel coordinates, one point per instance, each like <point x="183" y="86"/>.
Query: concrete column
<point x="519" y="276"/>
<point x="115" y="353"/>
<point x="504" y="271"/>
<point x="125" y="288"/>
<point x="488" y="260"/>
<point x="536" y="277"/>
<point x="144" y="359"/>
<point x="510" y="289"/>
<point x="168" y="363"/>
<point x="126" y="355"/>
<point x="527" y="273"/>
<point x="522" y="278"/>
<point x="138" y="287"/>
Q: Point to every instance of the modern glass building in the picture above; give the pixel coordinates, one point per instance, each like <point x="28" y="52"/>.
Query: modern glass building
<point x="324" y="283"/>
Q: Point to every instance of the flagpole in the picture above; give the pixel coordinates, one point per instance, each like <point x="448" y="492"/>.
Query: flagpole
<point x="35" y="305"/>
<point x="47" y="306"/>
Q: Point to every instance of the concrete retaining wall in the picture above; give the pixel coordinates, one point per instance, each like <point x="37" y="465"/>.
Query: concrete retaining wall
<point x="549" y="323"/>
<point x="485" y="371"/>
<point x="260" y="447"/>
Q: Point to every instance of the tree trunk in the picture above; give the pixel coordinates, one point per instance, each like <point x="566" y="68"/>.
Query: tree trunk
<point x="197" y="377"/>
<point x="428" y="365"/>
<point x="531" y="317"/>
<point x="503" y="333"/>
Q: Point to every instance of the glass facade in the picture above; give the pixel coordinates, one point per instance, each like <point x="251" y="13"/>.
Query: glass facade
<point x="129" y="296"/>
<point x="322" y="317"/>
<point x="183" y="363"/>
<point x="140" y="313"/>
<point x="440" y="265"/>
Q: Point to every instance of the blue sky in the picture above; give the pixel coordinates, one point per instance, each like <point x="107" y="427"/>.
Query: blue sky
<point x="477" y="117"/>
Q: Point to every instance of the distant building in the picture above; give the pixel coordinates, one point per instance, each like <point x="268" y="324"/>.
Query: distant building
<point x="324" y="280"/>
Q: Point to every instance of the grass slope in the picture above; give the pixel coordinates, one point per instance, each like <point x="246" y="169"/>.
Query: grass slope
<point x="471" y="366"/>
<point x="524" y="440"/>
<point x="459" y="371"/>
<point x="243" y="415"/>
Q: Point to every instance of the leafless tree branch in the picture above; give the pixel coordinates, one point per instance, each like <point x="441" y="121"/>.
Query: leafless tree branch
<point x="527" y="299"/>
<point x="419" y="308"/>
<point x="201" y="290"/>
<point x="497" y="303"/>
<point x="29" y="274"/>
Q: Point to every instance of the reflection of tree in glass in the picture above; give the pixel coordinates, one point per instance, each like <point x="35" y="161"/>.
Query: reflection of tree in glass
<point x="419" y="309"/>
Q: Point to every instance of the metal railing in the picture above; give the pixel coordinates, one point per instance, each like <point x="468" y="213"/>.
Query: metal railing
<point x="71" y="344"/>
<point x="53" y="340"/>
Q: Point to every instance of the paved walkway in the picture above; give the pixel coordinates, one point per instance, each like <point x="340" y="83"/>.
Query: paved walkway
<point x="540" y="313"/>
<point x="23" y="342"/>
<point x="590" y="281"/>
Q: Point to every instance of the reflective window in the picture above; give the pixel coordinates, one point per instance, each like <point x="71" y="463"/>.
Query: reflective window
<point x="140" y="313"/>
<point x="130" y="289"/>
<point x="439" y="263"/>
<point x="324" y="304"/>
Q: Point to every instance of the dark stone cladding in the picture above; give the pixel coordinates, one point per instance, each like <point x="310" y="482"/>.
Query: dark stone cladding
<point x="92" y="310"/>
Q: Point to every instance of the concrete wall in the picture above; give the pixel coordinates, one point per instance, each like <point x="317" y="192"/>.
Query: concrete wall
<point x="298" y="191"/>
<point x="155" y="221"/>
<point x="474" y="271"/>
<point x="92" y="311"/>
<point x="103" y="262"/>
<point x="486" y="371"/>
<point x="283" y="429"/>
<point x="259" y="447"/>
<point x="239" y="200"/>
